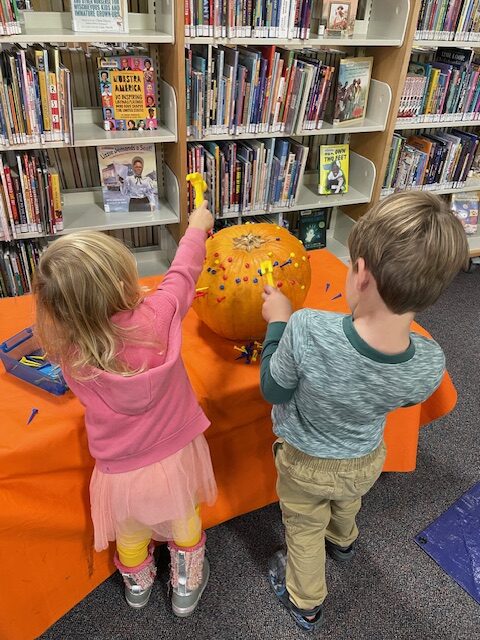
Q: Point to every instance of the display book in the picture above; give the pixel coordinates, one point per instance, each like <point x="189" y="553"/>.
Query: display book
<point x="128" y="175"/>
<point x="446" y="88"/>
<point x="432" y="161"/>
<point x="248" y="177"/>
<point x="17" y="264"/>
<point x="35" y="96"/>
<point x="109" y="16"/>
<point x="30" y="197"/>
<point x="128" y="92"/>
<point x="465" y="206"/>
<point x="269" y="89"/>
<point x="312" y="229"/>
<point x="334" y="165"/>
<point x="262" y="19"/>
<point x="448" y="20"/>
<point x="9" y="18"/>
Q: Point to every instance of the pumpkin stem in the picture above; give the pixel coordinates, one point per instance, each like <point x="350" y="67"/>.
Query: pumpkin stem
<point x="248" y="242"/>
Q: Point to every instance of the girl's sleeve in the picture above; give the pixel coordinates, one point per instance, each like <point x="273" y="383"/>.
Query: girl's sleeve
<point x="181" y="279"/>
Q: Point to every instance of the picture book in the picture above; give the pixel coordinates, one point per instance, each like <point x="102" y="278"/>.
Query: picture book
<point x="339" y="17"/>
<point x="106" y="16"/>
<point x="334" y="165"/>
<point x="465" y="206"/>
<point x="128" y="176"/>
<point x="352" y="89"/>
<point x="312" y="229"/>
<point x="128" y="92"/>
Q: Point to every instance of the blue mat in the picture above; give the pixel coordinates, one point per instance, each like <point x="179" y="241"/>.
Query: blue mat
<point x="453" y="541"/>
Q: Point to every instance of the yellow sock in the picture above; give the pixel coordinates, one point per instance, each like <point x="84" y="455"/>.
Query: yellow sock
<point x="187" y="533"/>
<point x="132" y="553"/>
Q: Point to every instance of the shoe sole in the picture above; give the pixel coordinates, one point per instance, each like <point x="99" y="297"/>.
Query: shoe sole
<point x="184" y="612"/>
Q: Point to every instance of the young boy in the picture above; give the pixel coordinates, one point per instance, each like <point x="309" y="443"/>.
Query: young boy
<point x="333" y="378"/>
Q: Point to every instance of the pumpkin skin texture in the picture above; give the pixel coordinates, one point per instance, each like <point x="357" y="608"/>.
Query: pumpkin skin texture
<point x="232" y="304"/>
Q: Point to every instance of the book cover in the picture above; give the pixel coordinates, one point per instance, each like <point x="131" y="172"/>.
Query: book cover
<point x="128" y="175"/>
<point x="104" y="17"/>
<point x="465" y="206"/>
<point x="128" y="93"/>
<point x="339" y="17"/>
<point x="334" y="165"/>
<point x="353" y="85"/>
<point x="312" y="229"/>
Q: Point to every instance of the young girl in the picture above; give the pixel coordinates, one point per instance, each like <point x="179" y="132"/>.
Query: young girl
<point x="120" y="354"/>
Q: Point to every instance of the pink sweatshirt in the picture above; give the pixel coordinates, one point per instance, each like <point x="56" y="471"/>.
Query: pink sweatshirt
<point x="138" y="420"/>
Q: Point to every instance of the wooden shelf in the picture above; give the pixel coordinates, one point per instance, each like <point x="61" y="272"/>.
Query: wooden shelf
<point x="50" y="26"/>
<point x="400" y="126"/>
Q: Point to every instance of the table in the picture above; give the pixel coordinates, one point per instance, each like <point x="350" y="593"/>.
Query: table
<point x="46" y="537"/>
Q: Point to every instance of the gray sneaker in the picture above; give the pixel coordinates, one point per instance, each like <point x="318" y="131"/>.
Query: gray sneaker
<point x="189" y="573"/>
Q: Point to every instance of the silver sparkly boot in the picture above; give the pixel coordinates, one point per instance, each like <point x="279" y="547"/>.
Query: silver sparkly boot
<point x="189" y="572"/>
<point x="138" y="580"/>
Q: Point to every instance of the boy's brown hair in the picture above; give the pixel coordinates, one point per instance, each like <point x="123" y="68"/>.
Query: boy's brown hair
<point x="413" y="245"/>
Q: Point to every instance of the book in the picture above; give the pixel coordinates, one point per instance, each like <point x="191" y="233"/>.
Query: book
<point x="128" y="177"/>
<point x="128" y="93"/>
<point x="339" y="17"/>
<point x="334" y="166"/>
<point x="18" y="260"/>
<point x="465" y="206"/>
<point x="352" y="89"/>
<point x="104" y="17"/>
<point x="448" y="20"/>
<point x="312" y="229"/>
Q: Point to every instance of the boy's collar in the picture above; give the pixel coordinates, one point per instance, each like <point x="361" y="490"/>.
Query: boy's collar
<point x="369" y="352"/>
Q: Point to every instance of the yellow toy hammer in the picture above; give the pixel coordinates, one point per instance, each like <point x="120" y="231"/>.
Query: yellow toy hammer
<point x="266" y="268"/>
<point x="200" y="186"/>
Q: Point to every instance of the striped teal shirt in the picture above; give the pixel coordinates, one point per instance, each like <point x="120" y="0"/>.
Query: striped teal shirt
<point x="331" y="391"/>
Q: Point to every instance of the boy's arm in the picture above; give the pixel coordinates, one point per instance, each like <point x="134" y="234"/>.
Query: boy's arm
<point x="181" y="278"/>
<point x="280" y="370"/>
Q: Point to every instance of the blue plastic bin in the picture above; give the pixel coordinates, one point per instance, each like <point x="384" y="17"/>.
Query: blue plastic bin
<point x="24" y="344"/>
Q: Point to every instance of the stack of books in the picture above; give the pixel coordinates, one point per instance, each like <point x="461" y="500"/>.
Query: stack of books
<point x="9" y="18"/>
<point x="272" y="90"/>
<point x="30" y="197"/>
<point x="77" y="167"/>
<point x="17" y="264"/>
<point x="433" y="161"/>
<point x="449" y="20"/>
<point x="445" y="88"/>
<point x="35" y="97"/>
<point x="251" y="177"/>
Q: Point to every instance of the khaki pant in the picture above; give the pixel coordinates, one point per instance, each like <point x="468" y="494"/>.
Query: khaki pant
<point x="319" y="498"/>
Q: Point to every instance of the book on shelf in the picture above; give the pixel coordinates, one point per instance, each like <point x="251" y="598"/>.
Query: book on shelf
<point x="338" y="18"/>
<point x="30" y="195"/>
<point x="9" y="18"/>
<point x="35" y="96"/>
<point x="254" y="176"/>
<point x="102" y="17"/>
<point x="353" y="85"/>
<point x="128" y="177"/>
<point x="265" y="89"/>
<point x="128" y="92"/>
<point x="444" y="160"/>
<point x="17" y="263"/>
<point x="312" y="229"/>
<point x="465" y="206"/>
<point x="137" y="237"/>
<point x="334" y="167"/>
<point x="448" y="20"/>
<point x="443" y="88"/>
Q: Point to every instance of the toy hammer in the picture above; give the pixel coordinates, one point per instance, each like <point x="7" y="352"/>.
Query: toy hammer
<point x="199" y="185"/>
<point x="266" y="268"/>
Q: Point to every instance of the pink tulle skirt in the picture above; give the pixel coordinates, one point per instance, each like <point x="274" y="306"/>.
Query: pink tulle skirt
<point x="157" y="498"/>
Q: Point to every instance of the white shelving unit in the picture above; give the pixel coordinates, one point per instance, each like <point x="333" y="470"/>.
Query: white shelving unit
<point x="434" y="44"/>
<point x="400" y="126"/>
<point x="379" y="100"/>
<point x="474" y="244"/>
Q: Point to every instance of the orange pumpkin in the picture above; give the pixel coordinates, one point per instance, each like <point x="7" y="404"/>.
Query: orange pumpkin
<point x="229" y="300"/>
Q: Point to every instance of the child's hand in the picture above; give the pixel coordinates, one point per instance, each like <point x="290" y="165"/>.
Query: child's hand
<point x="201" y="218"/>
<point x="277" y="307"/>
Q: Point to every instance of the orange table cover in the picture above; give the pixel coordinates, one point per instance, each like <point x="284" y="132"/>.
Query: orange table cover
<point x="46" y="536"/>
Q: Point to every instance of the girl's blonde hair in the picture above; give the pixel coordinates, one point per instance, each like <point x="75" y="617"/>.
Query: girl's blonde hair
<point x="82" y="280"/>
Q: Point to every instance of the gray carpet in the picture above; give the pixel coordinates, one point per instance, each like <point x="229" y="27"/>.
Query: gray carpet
<point x="390" y="591"/>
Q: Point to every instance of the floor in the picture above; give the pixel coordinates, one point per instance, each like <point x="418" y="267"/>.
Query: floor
<point x="390" y="591"/>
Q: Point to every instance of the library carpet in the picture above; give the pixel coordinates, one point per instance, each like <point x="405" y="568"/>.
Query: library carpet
<point x="45" y="532"/>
